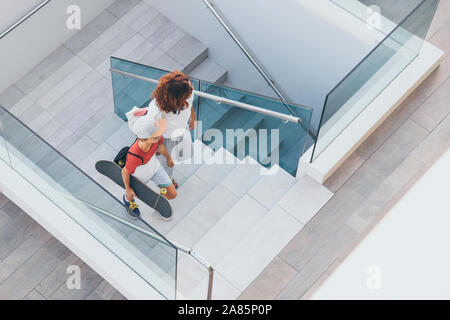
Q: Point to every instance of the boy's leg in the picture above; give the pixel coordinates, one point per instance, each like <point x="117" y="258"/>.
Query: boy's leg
<point x="132" y="207"/>
<point x="162" y="180"/>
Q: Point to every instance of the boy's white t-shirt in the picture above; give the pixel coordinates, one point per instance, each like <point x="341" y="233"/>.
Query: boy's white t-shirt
<point x="176" y="123"/>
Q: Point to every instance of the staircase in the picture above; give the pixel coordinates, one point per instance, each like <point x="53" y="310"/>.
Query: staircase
<point x="235" y="217"/>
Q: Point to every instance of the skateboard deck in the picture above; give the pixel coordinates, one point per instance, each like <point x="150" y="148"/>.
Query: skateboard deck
<point x="143" y="192"/>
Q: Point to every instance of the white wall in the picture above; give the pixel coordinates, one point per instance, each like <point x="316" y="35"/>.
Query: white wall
<point x="37" y="37"/>
<point x="307" y="46"/>
<point x="406" y="255"/>
<point x="12" y="10"/>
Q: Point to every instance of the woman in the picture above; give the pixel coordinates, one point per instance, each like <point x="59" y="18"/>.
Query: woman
<point x="174" y="98"/>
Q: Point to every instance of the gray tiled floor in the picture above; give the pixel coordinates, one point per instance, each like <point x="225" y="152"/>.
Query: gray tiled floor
<point x="376" y="176"/>
<point x="33" y="264"/>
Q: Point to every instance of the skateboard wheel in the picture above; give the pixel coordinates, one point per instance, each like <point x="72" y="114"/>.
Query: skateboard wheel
<point x="163" y="191"/>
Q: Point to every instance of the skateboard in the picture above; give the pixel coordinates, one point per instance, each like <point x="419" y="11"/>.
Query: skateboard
<point x="143" y="192"/>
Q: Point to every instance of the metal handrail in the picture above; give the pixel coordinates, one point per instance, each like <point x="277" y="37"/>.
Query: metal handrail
<point x="191" y="252"/>
<point x="204" y="263"/>
<point x="238" y="104"/>
<point x="264" y="74"/>
<point x="23" y="19"/>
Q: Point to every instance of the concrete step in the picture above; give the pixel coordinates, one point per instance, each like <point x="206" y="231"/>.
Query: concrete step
<point x="305" y="199"/>
<point x="188" y="169"/>
<point x="189" y="195"/>
<point x="217" y="166"/>
<point x="272" y="186"/>
<point x="229" y="230"/>
<point x="243" y="177"/>
<point x="203" y="216"/>
<point x="259" y="247"/>
<point x="210" y="71"/>
<point x="189" y="52"/>
<point x="228" y="84"/>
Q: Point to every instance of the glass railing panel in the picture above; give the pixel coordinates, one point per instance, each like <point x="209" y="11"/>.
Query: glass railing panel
<point x="130" y="92"/>
<point x="142" y="248"/>
<point x="4" y="155"/>
<point x="363" y="84"/>
<point x="380" y="14"/>
<point x="267" y="139"/>
<point x="292" y="136"/>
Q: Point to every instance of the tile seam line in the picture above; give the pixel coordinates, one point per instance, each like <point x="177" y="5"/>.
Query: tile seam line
<point x="31" y="291"/>
<point x="64" y="282"/>
<point x="374" y="151"/>
<point x="319" y="279"/>
<point x="421" y="126"/>
<point x="78" y="95"/>
<point x="310" y="286"/>
<point x="49" y="297"/>
<point x="108" y="9"/>
<point x="27" y="259"/>
<point x="277" y="255"/>
<point x="146" y="38"/>
<point x="439" y="30"/>
<point x="69" y="75"/>
<point x="187" y="34"/>
<point x="228" y="281"/>
<point x="24" y="262"/>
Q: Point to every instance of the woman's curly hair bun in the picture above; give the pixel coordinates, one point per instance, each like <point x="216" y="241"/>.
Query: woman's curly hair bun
<point x="172" y="91"/>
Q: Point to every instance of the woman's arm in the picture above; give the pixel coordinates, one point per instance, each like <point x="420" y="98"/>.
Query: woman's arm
<point x="192" y="121"/>
<point x="162" y="150"/>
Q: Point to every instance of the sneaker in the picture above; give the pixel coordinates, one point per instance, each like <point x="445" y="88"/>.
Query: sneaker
<point x="133" y="209"/>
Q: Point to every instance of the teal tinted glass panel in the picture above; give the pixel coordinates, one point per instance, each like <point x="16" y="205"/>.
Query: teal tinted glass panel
<point x="139" y="246"/>
<point x="363" y="84"/>
<point x="278" y="142"/>
<point x="129" y="91"/>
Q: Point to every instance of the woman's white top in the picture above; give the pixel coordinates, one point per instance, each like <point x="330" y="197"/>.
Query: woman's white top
<point x="176" y="123"/>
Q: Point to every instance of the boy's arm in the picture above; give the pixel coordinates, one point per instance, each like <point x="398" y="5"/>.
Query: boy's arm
<point x="126" y="181"/>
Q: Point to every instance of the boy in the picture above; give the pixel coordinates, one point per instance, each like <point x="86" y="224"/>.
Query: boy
<point x="141" y="161"/>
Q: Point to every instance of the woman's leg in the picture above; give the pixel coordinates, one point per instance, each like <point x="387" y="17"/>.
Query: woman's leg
<point x="170" y="145"/>
<point x="175" y="149"/>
